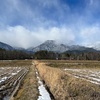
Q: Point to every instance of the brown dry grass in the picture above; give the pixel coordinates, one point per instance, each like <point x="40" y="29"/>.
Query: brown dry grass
<point x="74" y="64"/>
<point x="15" y="63"/>
<point x="65" y="87"/>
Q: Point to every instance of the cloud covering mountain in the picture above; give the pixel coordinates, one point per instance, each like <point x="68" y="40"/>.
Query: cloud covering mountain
<point x="51" y="45"/>
<point x="26" y="23"/>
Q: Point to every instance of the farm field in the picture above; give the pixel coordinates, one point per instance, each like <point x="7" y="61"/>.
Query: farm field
<point x="10" y="79"/>
<point x="87" y="70"/>
<point x="72" y="80"/>
<point x="49" y="80"/>
<point x="18" y="80"/>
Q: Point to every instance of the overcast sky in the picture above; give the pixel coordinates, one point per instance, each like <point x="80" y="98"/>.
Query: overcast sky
<point x="27" y="23"/>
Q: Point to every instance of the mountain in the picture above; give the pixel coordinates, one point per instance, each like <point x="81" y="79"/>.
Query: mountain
<point x="6" y="46"/>
<point x="80" y="48"/>
<point x="51" y="45"/>
<point x="19" y="48"/>
<point x="77" y="47"/>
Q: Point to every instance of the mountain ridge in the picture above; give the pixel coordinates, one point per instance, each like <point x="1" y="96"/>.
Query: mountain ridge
<point x="51" y="45"/>
<point x="6" y="46"/>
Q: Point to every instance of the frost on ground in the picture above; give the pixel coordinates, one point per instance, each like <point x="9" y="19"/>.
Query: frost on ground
<point x="44" y="95"/>
<point x="91" y="75"/>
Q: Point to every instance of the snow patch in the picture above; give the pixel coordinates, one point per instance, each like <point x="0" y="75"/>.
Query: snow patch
<point x="13" y="73"/>
<point x="3" y="79"/>
<point x="44" y="95"/>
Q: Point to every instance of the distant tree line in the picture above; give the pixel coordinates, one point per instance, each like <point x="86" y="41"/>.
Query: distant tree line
<point x="45" y="55"/>
<point x="68" y="55"/>
<point x="14" y="54"/>
<point x="80" y="55"/>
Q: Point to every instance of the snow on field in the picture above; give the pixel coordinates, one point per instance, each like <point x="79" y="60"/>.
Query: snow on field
<point x="91" y="75"/>
<point x="3" y="79"/>
<point x="44" y="95"/>
<point x="8" y="72"/>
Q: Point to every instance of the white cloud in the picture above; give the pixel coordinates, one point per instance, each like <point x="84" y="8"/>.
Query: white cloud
<point x="90" y="34"/>
<point x="16" y="36"/>
<point x="23" y="37"/>
<point x="61" y="34"/>
<point x="32" y="22"/>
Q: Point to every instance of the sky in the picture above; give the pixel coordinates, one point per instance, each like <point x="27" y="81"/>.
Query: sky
<point x="28" y="23"/>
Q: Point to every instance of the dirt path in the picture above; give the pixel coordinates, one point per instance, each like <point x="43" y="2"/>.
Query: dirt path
<point x="29" y="89"/>
<point x="32" y="87"/>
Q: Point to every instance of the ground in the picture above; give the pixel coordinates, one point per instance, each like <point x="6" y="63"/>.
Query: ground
<point x="65" y="80"/>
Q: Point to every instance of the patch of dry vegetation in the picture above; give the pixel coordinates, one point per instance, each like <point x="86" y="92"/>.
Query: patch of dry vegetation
<point x="15" y="63"/>
<point x="66" y="87"/>
<point x="74" y="64"/>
